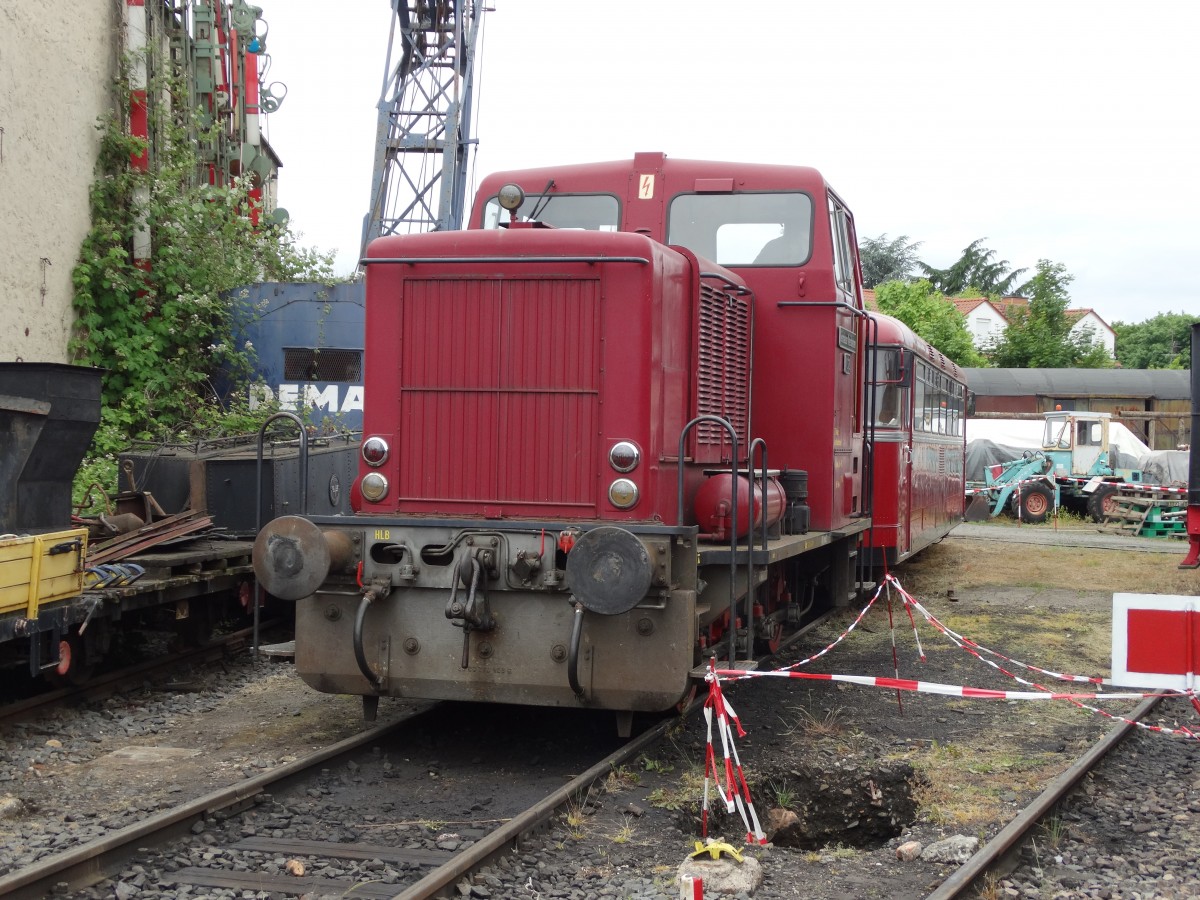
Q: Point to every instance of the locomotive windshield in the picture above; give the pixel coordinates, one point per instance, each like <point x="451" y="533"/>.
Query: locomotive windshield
<point x="592" y="212"/>
<point x="744" y="229"/>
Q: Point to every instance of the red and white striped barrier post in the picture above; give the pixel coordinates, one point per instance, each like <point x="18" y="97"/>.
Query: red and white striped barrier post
<point x="139" y="123"/>
<point x="736" y="793"/>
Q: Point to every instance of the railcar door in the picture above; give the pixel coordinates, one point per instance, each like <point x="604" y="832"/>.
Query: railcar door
<point x="905" y="492"/>
<point x="893" y="446"/>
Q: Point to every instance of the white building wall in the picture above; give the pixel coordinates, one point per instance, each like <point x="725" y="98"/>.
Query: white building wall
<point x="57" y="62"/>
<point x="985" y="324"/>
<point x="1097" y="331"/>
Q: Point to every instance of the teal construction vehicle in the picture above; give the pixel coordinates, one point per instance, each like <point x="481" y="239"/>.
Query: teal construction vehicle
<point x="1075" y="468"/>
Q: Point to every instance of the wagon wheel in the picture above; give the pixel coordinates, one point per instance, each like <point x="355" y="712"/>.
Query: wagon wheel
<point x="1102" y="502"/>
<point x="74" y="667"/>
<point x="1035" y="503"/>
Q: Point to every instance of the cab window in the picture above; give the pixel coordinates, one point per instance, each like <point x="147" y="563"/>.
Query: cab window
<point x="762" y="229"/>
<point x="590" y="212"/>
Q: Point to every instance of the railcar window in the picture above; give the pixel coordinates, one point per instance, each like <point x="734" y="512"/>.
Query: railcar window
<point x="889" y="397"/>
<point x="921" y="419"/>
<point x="590" y="212"/>
<point x="939" y="400"/>
<point x="766" y="229"/>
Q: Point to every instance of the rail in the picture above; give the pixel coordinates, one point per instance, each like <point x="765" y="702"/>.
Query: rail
<point x="991" y="853"/>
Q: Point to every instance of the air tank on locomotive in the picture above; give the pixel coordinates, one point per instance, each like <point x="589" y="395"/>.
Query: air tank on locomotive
<point x="714" y="500"/>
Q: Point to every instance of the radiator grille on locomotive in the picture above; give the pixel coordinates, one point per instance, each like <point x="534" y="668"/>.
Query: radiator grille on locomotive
<point x="723" y="383"/>
<point x="495" y="398"/>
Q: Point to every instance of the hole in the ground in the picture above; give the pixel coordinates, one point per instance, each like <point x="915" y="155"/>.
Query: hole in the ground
<point x="808" y="808"/>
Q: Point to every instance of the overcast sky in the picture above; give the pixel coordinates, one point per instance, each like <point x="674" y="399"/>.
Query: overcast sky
<point x="1060" y="130"/>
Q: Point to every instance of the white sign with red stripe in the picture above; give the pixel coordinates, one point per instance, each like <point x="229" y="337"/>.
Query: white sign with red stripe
<point x="1156" y="640"/>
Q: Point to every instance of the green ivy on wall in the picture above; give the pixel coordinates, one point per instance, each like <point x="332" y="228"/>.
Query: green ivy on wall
<point x="163" y="331"/>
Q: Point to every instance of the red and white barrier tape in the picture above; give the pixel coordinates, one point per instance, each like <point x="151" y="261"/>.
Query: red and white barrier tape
<point x="1129" y="485"/>
<point x="1120" y="485"/>
<point x="736" y="793"/>
<point x="999" y="486"/>
<point x="948" y="690"/>
<point x="977" y="650"/>
<point x="972" y="647"/>
<point x="841" y="637"/>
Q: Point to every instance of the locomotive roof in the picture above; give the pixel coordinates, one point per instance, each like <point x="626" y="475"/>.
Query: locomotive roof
<point x="748" y="176"/>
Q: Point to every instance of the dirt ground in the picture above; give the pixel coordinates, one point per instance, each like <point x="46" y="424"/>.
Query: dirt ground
<point x="928" y="766"/>
<point x="859" y="770"/>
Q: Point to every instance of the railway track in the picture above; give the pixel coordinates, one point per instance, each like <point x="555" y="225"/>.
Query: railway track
<point x="553" y="760"/>
<point x="991" y="858"/>
<point x="106" y="684"/>
<point x="429" y="872"/>
<point x="430" y="805"/>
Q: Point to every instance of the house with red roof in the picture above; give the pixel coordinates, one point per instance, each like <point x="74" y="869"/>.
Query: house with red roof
<point x="1088" y="321"/>
<point x="987" y="319"/>
<point x="984" y="320"/>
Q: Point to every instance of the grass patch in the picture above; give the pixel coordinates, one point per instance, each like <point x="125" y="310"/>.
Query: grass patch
<point x="689" y="788"/>
<point x="620" y="779"/>
<point x="967" y="563"/>
<point x="809" y="723"/>
<point x="963" y="786"/>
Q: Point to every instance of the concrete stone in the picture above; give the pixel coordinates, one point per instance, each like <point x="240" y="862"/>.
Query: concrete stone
<point x="956" y="849"/>
<point x="724" y="876"/>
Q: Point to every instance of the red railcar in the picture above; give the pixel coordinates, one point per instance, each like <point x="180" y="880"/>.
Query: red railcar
<point x="565" y="406"/>
<point x="919" y="443"/>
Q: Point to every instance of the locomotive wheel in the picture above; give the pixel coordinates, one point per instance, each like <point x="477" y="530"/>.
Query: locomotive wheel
<point x="74" y="667"/>
<point x="768" y="641"/>
<point x="687" y="699"/>
<point x="1036" y="502"/>
<point x="1101" y="502"/>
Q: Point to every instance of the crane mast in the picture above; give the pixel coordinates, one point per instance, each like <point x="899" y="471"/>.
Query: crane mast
<point x="419" y="179"/>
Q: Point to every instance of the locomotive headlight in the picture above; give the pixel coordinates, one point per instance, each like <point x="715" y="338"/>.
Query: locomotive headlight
<point x="624" y="456"/>
<point x="374" y="486"/>
<point x="511" y="197"/>
<point x="623" y="493"/>
<point x="375" y="451"/>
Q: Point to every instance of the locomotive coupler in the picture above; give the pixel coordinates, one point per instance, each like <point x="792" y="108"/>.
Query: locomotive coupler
<point x="475" y="614"/>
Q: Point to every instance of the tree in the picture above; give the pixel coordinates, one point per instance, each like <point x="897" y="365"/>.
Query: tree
<point x="933" y="317"/>
<point x="976" y="270"/>
<point x="1039" y="336"/>
<point x="1163" y="342"/>
<point x="883" y="260"/>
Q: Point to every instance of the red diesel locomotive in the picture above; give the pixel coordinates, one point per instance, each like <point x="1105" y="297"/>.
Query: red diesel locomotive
<point x="614" y="427"/>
